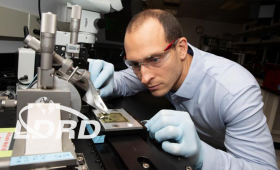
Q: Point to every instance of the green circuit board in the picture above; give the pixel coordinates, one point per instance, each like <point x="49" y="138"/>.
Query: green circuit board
<point x="112" y="118"/>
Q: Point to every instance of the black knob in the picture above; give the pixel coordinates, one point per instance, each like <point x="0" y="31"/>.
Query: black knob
<point x="99" y="23"/>
<point x="25" y="31"/>
<point x="36" y="32"/>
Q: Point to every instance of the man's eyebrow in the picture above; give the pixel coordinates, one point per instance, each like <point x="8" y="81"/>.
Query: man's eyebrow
<point x="151" y="55"/>
<point x="156" y="53"/>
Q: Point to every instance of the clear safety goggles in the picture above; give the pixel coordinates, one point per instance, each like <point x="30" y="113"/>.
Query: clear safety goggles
<point x="153" y="61"/>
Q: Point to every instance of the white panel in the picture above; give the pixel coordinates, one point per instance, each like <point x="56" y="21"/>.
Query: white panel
<point x="94" y="5"/>
<point x="87" y="22"/>
<point x="43" y="112"/>
<point x="62" y="38"/>
<point x="26" y="64"/>
<point x="116" y="5"/>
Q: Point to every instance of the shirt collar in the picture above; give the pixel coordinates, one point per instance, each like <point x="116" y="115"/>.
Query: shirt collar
<point x="190" y="84"/>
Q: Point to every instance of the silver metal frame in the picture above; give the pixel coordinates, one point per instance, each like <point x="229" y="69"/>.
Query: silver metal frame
<point x="131" y="124"/>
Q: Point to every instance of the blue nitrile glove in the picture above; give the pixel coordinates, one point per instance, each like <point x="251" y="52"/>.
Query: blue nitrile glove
<point x="177" y="126"/>
<point x="102" y="76"/>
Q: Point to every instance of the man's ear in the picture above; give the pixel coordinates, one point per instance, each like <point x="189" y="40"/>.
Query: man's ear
<point x="183" y="48"/>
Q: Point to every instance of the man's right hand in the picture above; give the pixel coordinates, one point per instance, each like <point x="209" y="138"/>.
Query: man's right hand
<point x="102" y="76"/>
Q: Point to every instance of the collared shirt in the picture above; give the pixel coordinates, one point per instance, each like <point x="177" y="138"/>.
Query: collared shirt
<point x="225" y="103"/>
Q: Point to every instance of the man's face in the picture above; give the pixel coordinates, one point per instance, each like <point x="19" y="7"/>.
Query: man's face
<point x="148" y="40"/>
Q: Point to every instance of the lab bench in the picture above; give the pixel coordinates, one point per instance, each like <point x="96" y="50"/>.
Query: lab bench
<point x="121" y="151"/>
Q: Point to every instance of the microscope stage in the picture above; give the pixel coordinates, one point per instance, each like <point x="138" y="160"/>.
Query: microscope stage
<point x="117" y="120"/>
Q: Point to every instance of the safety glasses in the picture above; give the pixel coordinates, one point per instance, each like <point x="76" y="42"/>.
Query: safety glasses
<point x="153" y="61"/>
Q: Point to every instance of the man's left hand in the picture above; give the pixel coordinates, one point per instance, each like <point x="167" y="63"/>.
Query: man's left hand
<point x="177" y="126"/>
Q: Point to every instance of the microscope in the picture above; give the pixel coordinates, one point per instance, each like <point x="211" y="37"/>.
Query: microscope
<point x="56" y="92"/>
<point x="51" y="94"/>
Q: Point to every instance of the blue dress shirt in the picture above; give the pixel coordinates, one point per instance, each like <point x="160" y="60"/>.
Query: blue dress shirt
<point x="225" y="103"/>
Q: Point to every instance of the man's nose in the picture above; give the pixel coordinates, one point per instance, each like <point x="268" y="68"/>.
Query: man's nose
<point x="146" y="74"/>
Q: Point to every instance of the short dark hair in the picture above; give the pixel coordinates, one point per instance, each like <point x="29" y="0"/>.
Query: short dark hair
<point x="170" y="24"/>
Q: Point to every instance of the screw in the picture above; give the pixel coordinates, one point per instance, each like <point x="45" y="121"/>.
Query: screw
<point x="145" y="165"/>
<point x="80" y="158"/>
<point x="188" y="168"/>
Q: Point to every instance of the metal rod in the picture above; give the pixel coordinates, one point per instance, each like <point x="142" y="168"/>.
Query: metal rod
<point x="72" y="74"/>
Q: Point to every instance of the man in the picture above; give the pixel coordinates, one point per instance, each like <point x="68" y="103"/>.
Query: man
<point x="218" y="122"/>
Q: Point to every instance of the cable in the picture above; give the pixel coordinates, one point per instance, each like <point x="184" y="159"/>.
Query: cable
<point x="31" y="85"/>
<point x="6" y="69"/>
<point x="39" y="8"/>
<point x="22" y="83"/>
<point x="7" y="74"/>
<point x="32" y="82"/>
<point x="38" y="20"/>
<point x="8" y="80"/>
<point x="25" y="77"/>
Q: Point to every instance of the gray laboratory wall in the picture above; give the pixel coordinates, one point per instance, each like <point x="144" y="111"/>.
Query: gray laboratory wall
<point x="30" y="6"/>
<point x="55" y="6"/>
<point x="211" y="28"/>
<point x="10" y="46"/>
